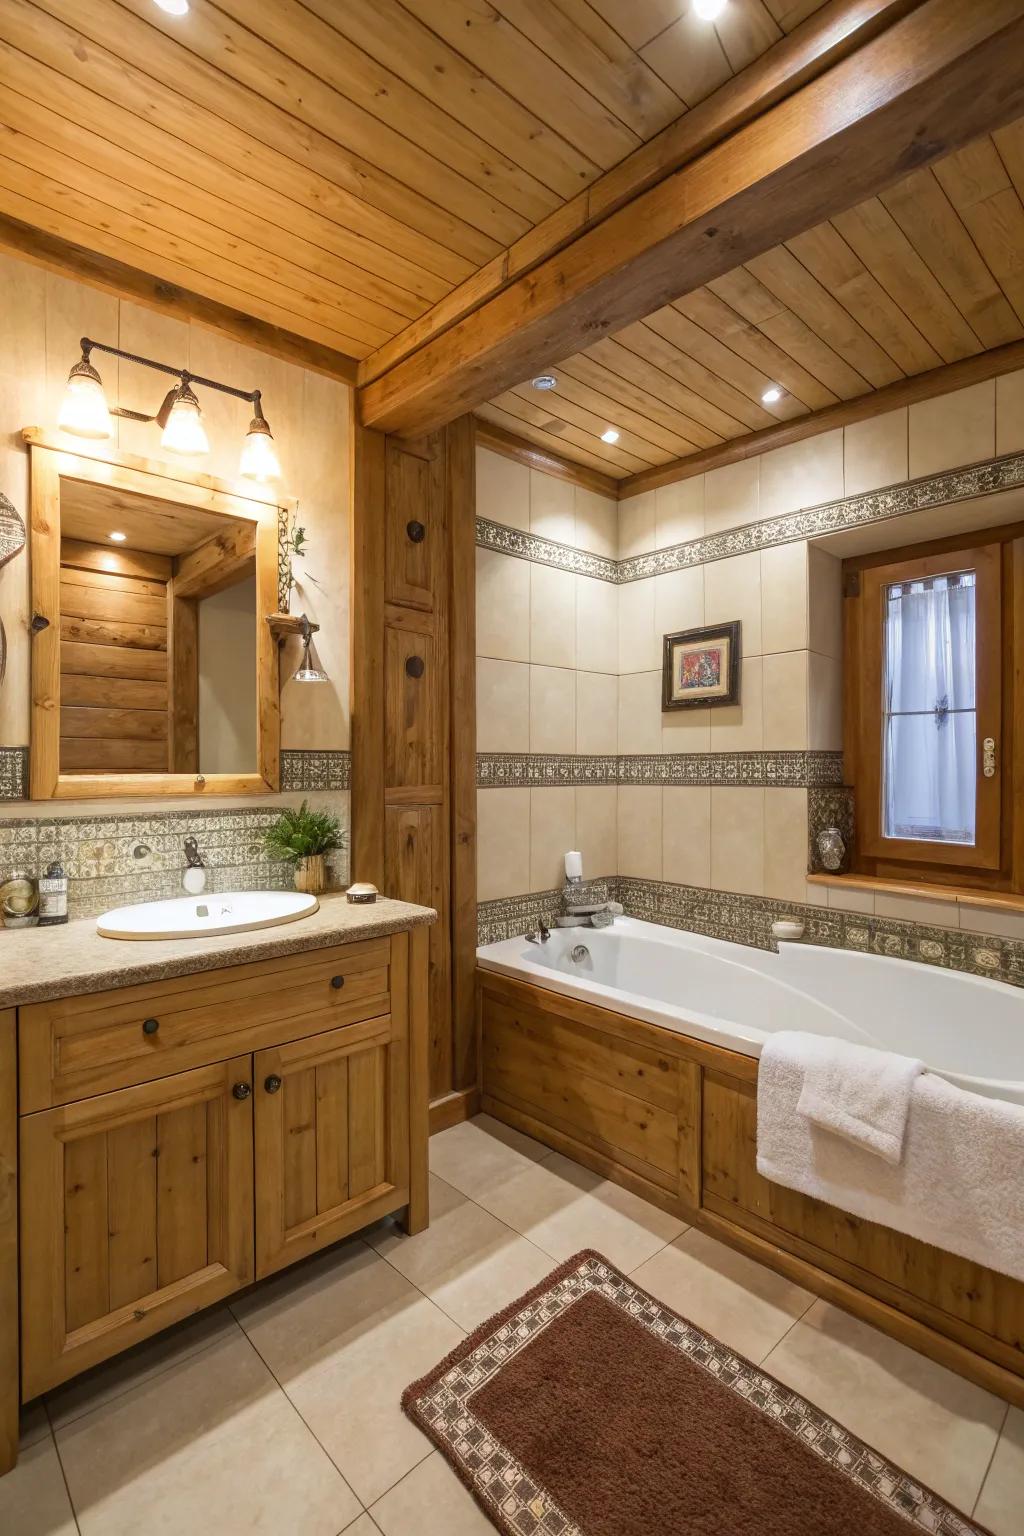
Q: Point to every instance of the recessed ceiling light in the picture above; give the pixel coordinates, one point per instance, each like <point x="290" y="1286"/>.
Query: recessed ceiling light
<point x="174" y="7"/>
<point x="610" y="436"/>
<point x="118" y="538"/>
<point x="708" y="10"/>
<point x="544" y="381"/>
<point x="771" y="395"/>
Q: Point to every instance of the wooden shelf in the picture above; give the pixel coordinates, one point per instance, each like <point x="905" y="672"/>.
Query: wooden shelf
<point x="966" y="896"/>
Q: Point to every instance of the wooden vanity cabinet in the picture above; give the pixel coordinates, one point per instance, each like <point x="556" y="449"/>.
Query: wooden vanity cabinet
<point x="143" y="1201"/>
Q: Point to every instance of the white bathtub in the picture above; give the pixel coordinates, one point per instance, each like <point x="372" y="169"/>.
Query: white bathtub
<point x="968" y="1028"/>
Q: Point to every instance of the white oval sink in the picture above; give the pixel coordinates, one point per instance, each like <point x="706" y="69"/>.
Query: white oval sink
<point x="199" y="917"/>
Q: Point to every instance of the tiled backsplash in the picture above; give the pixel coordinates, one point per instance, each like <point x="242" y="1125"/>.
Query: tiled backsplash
<point x="126" y="856"/>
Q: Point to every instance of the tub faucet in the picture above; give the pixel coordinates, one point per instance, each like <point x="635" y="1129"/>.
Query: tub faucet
<point x="541" y="936"/>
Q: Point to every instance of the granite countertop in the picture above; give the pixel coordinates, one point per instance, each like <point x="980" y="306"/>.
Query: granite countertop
<point x="37" y="964"/>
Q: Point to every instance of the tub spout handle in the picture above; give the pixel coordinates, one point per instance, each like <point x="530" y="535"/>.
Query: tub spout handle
<point x="541" y="936"/>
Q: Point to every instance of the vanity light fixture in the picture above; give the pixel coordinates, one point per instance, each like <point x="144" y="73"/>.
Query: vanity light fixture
<point x="544" y="381"/>
<point x="309" y="669"/>
<point x="117" y="538"/>
<point x="771" y="395"/>
<point x="84" y="412"/>
<point x="609" y="435"/>
<point x="708" y="10"/>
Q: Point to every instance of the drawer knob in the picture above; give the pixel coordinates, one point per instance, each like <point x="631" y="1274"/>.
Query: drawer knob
<point x="241" y="1090"/>
<point x="272" y="1083"/>
<point x="150" y="1026"/>
<point x="337" y="982"/>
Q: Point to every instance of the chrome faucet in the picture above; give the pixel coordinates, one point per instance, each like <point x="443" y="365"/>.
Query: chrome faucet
<point x="541" y="936"/>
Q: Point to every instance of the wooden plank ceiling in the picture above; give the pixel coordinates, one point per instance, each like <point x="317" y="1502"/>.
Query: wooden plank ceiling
<point x="331" y="168"/>
<point x="929" y="273"/>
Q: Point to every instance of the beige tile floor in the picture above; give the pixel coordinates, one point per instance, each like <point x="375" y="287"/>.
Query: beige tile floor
<point x="280" y="1414"/>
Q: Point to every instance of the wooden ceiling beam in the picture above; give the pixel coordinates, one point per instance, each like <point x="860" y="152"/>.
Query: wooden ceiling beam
<point x="940" y="76"/>
<point x="166" y="298"/>
<point x="921" y="386"/>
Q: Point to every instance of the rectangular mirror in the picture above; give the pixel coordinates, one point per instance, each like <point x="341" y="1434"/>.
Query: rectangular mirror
<point x="154" y="667"/>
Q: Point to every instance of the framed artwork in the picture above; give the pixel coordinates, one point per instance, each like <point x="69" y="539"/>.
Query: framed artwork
<point x="701" y="667"/>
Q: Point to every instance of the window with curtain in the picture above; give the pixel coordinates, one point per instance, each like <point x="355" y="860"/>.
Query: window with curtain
<point x="928" y="700"/>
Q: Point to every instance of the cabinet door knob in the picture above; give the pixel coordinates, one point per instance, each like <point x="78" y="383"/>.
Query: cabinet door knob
<point x="272" y="1083"/>
<point x="241" y="1090"/>
<point x="150" y="1026"/>
<point x="337" y="982"/>
<point x="415" y="666"/>
<point x="416" y="532"/>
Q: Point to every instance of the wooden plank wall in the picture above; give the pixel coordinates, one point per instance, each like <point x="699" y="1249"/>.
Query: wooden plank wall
<point x="413" y="778"/>
<point x="113" y="659"/>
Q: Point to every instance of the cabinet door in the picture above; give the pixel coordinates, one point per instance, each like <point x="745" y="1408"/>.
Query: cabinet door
<point x="137" y="1210"/>
<point x="332" y="1129"/>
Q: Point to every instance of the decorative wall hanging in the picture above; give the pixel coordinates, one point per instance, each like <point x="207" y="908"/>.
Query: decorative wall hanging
<point x="701" y="667"/>
<point x="12" y="540"/>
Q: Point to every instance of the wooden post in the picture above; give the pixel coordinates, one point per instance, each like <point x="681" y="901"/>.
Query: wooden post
<point x="9" y="1356"/>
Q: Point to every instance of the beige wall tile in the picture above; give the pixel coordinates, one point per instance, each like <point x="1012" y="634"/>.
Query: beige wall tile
<point x="552" y="834"/>
<point x="875" y="452"/>
<point x="502" y="706"/>
<point x="552" y="616"/>
<point x="785" y="701"/>
<point x="918" y="909"/>
<point x="636" y="525"/>
<point x="784" y="597"/>
<point x="640" y="712"/>
<point x="503" y="843"/>
<point x="1005" y="924"/>
<point x="639" y="646"/>
<point x="679" y="601"/>
<point x="802" y="474"/>
<point x="785" y="844"/>
<point x="597" y="829"/>
<point x="825" y="602"/>
<point x="953" y="429"/>
<point x="552" y="709"/>
<point x="686" y="836"/>
<point x="732" y="590"/>
<point x="597" y="625"/>
<point x="824" y="703"/>
<point x="737" y="840"/>
<point x="502" y="606"/>
<point x="686" y="730"/>
<point x="552" y="507"/>
<point x="731" y="495"/>
<point x="597" y="713"/>
<point x="1010" y="412"/>
<point x="597" y="522"/>
<point x="679" y="512"/>
<point x="845" y="898"/>
<point x="640" y="832"/>
<point x="740" y="727"/>
<point x="502" y="490"/>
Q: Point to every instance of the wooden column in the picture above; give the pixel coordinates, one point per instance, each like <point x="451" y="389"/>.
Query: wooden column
<point x="413" y="730"/>
<point x="9" y="1372"/>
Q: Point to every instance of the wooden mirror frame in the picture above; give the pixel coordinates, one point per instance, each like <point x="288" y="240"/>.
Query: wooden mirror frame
<point x="52" y="462"/>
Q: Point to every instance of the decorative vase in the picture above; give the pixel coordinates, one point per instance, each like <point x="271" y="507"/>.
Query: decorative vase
<point x="831" y="849"/>
<point x="311" y="874"/>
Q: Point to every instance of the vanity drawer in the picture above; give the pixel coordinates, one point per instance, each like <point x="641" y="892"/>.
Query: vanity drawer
<point x="75" y="1047"/>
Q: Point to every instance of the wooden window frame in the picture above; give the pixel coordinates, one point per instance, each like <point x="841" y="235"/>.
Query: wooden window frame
<point x="995" y="862"/>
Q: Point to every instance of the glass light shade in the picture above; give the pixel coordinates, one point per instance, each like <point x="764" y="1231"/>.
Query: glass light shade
<point x="259" y="457"/>
<point x="308" y="671"/>
<point x="84" y="410"/>
<point x="184" y="432"/>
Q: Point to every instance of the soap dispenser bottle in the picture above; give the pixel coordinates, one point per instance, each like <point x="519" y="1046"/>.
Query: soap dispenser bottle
<point x="53" y="896"/>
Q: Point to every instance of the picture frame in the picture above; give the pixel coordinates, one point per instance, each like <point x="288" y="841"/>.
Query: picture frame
<point x="701" y="667"/>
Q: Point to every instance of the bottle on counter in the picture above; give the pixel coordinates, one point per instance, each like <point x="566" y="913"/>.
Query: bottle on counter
<point x="53" y="896"/>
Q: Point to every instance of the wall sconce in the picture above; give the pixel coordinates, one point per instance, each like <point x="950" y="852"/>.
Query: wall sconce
<point x="309" y="669"/>
<point x="84" y="412"/>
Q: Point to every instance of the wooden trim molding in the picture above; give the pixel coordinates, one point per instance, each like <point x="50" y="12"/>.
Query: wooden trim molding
<point x="9" y="1343"/>
<point x="891" y="397"/>
<point x="490" y="435"/>
<point x="925" y="86"/>
<point x="126" y="282"/>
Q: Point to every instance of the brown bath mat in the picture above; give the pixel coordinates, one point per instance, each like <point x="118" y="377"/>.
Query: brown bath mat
<point x="587" y="1408"/>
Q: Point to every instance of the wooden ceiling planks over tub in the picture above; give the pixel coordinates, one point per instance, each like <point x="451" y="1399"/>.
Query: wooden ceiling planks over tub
<point x="925" y="275"/>
<point x="336" y="169"/>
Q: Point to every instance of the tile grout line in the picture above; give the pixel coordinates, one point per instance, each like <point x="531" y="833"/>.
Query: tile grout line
<point x="991" y="1459"/>
<point x="60" y="1463"/>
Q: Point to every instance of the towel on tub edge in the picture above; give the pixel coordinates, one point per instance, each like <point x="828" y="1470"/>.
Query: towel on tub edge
<point x="958" y="1186"/>
<point x="854" y="1090"/>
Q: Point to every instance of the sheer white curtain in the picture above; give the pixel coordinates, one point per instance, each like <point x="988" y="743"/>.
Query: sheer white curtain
<point x="929" y="745"/>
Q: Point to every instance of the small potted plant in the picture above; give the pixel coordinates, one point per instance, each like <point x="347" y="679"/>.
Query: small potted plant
<point x="305" y="836"/>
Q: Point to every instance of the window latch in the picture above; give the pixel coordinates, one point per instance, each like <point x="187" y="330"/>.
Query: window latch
<point x="988" y="757"/>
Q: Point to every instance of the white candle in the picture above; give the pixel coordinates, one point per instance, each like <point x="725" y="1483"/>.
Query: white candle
<point x="574" y="866"/>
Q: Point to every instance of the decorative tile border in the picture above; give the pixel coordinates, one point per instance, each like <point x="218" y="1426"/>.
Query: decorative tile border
<point x="13" y="773"/>
<point x="320" y="770"/>
<point x="748" y="920"/>
<point x="768" y="770"/>
<point x="983" y="479"/>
